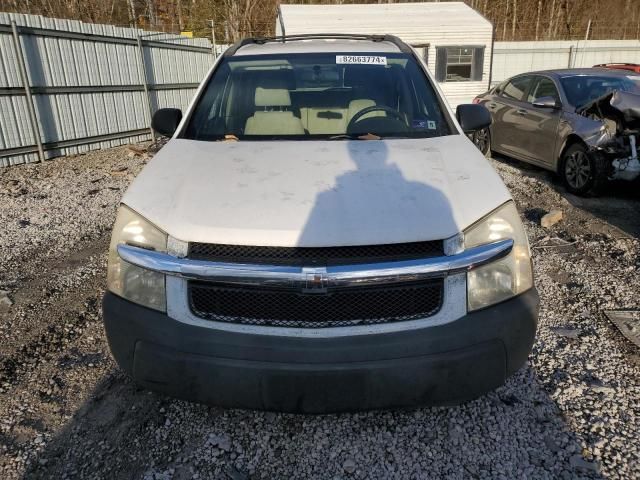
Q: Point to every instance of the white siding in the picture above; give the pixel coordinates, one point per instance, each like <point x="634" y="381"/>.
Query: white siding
<point x="434" y="23"/>
<point x="512" y="58"/>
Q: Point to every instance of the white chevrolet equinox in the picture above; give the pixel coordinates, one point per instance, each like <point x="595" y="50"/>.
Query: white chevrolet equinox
<point x="320" y="235"/>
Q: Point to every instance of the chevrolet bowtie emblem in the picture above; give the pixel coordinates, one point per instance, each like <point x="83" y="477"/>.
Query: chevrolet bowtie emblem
<point x="316" y="280"/>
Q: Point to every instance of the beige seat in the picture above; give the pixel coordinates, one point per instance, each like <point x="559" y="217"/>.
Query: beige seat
<point x="274" y="119"/>
<point x="333" y="121"/>
<point x="360" y="104"/>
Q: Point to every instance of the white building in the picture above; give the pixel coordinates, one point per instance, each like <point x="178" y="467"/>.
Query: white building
<point x="454" y="39"/>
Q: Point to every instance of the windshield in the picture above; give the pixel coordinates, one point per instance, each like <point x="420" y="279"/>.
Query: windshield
<point x="311" y="96"/>
<point x="582" y="89"/>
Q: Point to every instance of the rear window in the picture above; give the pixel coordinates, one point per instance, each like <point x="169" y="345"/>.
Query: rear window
<point x="311" y="96"/>
<point x="516" y="87"/>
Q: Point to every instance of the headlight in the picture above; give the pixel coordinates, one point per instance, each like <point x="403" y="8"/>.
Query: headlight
<point x="137" y="284"/>
<point x="504" y="278"/>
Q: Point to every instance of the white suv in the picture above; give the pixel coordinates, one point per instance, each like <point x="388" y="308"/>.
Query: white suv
<point x="319" y="235"/>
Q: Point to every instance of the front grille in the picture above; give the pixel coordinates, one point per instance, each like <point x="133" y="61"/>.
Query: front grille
<point x="336" y="308"/>
<point x="313" y="256"/>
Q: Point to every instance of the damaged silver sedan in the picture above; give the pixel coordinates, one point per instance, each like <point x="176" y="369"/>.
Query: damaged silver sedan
<point x="583" y="124"/>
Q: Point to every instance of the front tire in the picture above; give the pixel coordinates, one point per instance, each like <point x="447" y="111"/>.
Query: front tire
<point x="482" y="140"/>
<point x="583" y="172"/>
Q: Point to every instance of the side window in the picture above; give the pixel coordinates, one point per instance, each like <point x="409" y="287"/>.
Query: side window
<point x="208" y="117"/>
<point x="497" y="90"/>
<point x="516" y="88"/>
<point x="459" y="64"/>
<point x="544" y="87"/>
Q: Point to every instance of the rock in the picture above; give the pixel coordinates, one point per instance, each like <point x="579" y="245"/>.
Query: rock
<point x="551" y="444"/>
<point x="120" y="171"/>
<point x="456" y="433"/>
<point x="560" y="276"/>
<point x="223" y="442"/>
<point x="551" y="218"/>
<point x="510" y="400"/>
<point x="567" y="332"/>
<point x="4" y="298"/>
<point x="541" y="414"/>
<point x="15" y="188"/>
<point x="603" y="389"/>
<point x="135" y="151"/>
<point x="579" y="464"/>
<point x="349" y="465"/>
<point x="234" y="474"/>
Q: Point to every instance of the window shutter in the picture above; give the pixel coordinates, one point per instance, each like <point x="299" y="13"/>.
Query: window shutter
<point x="478" y="64"/>
<point x="441" y="64"/>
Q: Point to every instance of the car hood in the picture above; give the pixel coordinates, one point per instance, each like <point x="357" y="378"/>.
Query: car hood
<point x="316" y="193"/>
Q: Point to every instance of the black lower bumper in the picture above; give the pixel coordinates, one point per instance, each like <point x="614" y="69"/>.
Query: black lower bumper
<point x="439" y="365"/>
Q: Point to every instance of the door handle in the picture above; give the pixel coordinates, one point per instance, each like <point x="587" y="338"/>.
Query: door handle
<point x="521" y="111"/>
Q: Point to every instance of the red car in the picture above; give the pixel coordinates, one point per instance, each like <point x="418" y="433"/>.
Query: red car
<point x="632" y="67"/>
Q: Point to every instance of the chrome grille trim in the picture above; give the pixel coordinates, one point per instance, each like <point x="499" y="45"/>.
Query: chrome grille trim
<point x="299" y="277"/>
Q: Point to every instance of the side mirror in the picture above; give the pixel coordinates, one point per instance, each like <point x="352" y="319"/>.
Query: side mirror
<point x="473" y="117"/>
<point x="166" y="120"/>
<point x="546" y="102"/>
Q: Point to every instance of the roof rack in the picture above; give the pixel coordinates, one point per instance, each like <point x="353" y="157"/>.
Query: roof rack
<point x="404" y="48"/>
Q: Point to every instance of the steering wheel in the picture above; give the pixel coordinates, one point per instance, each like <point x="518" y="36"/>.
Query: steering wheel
<point x="374" y="108"/>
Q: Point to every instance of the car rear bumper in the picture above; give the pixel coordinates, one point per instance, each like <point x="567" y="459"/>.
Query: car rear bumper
<point x="435" y="365"/>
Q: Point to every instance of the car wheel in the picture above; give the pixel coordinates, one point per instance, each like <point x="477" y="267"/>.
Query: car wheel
<point x="582" y="171"/>
<point x="482" y="140"/>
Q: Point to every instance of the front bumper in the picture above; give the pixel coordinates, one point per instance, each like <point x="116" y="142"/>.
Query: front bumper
<point x="435" y="365"/>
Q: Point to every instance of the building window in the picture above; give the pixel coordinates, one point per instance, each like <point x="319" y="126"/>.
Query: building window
<point x="459" y="64"/>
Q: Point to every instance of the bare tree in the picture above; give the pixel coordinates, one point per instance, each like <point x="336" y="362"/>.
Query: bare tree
<point x="132" y="13"/>
<point x="538" y="12"/>
<point x="513" y="19"/>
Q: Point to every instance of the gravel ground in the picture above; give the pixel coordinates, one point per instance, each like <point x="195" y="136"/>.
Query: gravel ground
<point x="66" y="411"/>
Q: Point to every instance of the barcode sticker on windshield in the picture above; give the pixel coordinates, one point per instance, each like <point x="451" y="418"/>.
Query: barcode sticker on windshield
<point x="361" y="60"/>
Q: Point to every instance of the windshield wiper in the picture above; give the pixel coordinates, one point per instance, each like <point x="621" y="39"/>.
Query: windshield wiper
<point x="343" y="136"/>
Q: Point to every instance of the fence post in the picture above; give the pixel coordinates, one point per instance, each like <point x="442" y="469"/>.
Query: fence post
<point x="570" y="56"/>
<point x="24" y="77"/>
<point x="145" y="86"/>
<point x="214" y="50"/>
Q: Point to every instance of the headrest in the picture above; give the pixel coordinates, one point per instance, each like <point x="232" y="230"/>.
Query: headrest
<point x="360" y="103"/>
<point x="272" y="97"/>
